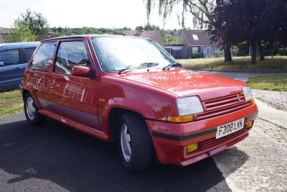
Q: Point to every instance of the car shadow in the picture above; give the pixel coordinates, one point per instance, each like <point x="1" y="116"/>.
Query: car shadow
<point x="79" y="162"/>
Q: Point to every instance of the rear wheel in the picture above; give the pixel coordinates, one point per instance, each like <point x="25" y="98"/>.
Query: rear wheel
<point x="32" y="112"/>
<point x="135" y="143"/>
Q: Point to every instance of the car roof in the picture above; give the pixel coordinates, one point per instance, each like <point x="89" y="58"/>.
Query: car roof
<point x="5" y="46"/>
<point x="84" y="36"/>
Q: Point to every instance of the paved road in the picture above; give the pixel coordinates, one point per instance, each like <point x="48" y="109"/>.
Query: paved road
<point x="54" y="157"/>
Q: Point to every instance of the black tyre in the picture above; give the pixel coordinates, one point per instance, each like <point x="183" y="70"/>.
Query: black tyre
<point x="135" y="144"/>
<point x="32" y="112"/>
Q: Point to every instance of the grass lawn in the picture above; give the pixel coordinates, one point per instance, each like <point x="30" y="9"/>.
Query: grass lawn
<point x="10" y="102"/>
<point x="277" y="63"/>
<point x="274" y="83"/>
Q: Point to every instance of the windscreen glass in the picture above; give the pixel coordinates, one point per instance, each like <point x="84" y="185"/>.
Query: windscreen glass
<point x="115" y="53"/>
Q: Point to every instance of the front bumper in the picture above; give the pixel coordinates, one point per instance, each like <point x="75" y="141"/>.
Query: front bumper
<point x="170" y="139"/>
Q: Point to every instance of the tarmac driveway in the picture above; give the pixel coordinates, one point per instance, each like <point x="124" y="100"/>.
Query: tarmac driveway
<point x="54" y="157"/>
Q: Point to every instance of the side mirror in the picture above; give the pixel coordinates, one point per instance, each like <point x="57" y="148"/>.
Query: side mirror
<point x="1" y="64"/>
<point x="80" y="71"/>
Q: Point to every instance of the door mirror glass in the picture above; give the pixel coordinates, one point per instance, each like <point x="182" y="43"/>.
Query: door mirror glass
<point x="80" y="71"/>
<point x="1" y="64"/>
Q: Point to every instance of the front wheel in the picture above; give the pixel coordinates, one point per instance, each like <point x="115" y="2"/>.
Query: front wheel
<point x="32" y="112"/>
<point x="135" y="144"/>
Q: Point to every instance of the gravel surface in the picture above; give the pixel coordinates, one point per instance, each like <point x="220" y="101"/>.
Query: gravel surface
<point x="275" y="132"/>
<point x="276" y="102"/>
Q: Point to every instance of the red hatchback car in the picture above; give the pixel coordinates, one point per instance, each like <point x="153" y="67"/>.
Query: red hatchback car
<point x="131" y="91"/>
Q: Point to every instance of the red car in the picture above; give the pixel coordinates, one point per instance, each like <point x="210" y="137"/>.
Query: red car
<point x="131" y="91"/>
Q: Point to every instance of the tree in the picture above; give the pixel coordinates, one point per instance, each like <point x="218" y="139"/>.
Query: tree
<point x="36" y="22"/>
<point x="151" y="27"/>
<point x="172" y="39"/>
<point x="20" y="33"/>
<point x="202" y="12"/>
<point x="255" y="22"/>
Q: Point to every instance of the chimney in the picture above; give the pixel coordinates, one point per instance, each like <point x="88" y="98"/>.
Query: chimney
<point x="140" y="28"/>
<point x="139" y="31"/>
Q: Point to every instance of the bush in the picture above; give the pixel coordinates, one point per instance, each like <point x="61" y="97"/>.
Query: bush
<point x="196" y="55"/>
<point x="282" y="51"/>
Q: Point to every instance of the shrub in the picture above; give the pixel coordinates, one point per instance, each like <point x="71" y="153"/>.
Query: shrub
<point x="196" y="55"/>
<point x="282" y="51"/>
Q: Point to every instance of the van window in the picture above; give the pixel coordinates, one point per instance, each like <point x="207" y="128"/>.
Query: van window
<point x="29" y="52"/>
<point x="70" y="54"/>
<point x="42" y="58"/>
<point x="10" y="57"/>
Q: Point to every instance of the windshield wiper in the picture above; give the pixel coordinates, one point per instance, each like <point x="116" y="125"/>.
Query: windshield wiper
<point x="126" y="68"/>
<point x="178" y="65"/>
<point x="143" y="65"/>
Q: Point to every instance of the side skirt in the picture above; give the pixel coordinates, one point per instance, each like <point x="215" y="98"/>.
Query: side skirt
<point x="83" y="128"/>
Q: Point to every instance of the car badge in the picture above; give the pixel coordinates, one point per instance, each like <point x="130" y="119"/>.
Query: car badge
<point x="238" y="97"/>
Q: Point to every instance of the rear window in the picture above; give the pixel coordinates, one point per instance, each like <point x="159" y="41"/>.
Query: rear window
<point x="10" y="57"/>
<point x="42" y="58"/>
<point x="29" y="52"/>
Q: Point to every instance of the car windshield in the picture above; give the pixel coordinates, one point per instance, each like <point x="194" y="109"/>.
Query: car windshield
<point x="116" y="53"/>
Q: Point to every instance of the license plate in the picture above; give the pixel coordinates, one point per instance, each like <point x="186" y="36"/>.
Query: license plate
<point x="229" y="128"/>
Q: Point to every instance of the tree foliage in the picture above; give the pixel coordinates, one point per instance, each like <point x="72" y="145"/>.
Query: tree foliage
<point x="256" y="22"/>
<point x="20" y="33"/>
<point x="172" y="40"/>
<point x="87" y="30"/>
<point x="35" y="22"/>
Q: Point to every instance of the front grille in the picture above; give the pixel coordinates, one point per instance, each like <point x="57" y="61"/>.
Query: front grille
<point x="222" y="105"/>
<point x="213" y="141"/>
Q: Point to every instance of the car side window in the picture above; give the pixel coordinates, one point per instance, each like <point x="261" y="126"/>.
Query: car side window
<point x="70" y="54"/>
<point x="42" y="58"/>
<point x="10" y="57"/>
<point x="29" y="52"/>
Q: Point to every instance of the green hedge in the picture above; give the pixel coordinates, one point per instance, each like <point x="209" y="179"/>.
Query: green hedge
<point x="282" y="51"/>
<point x="196" y="55"/>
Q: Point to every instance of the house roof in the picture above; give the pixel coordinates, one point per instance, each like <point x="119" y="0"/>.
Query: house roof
<point x="152" y="34"/>
<point x="43" y="37"/>
<point x="190" y="36"/>
<point x="3" y="34"/>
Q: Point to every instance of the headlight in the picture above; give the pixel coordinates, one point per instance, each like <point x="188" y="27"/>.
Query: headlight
<point x="248" y="93"/>
<point x="189" y="105"/>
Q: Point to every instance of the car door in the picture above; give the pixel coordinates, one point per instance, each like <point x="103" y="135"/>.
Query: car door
<point x="73" y="97"/>
<point x="39" y="71"/>
<point x="10" y="75"/>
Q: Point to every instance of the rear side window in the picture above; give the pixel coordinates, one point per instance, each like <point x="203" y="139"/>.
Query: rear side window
<point x="10" y="57"/>
<point x="42" y="58"/>
<point x="29" y="52"/>
<point x="70" y="54"/>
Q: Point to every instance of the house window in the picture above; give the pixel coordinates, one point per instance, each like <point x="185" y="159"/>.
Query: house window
<point x="194" y="49"/>
<point x="195" y="37"/>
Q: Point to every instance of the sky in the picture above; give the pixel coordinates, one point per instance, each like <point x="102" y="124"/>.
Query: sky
<point x="89" y="13"/>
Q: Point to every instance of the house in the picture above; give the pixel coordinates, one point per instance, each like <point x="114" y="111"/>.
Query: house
<point x="151" y="34"/>
<point x="4" y="35"/>
<point x="197" y="41"/>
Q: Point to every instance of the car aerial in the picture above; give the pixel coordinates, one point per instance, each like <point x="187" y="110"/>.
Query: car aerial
<point x="129" y="90"/>
<point x="14" y="58"/>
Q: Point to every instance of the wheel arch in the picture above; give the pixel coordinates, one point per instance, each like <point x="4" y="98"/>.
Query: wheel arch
<point x="114" y="118"/>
